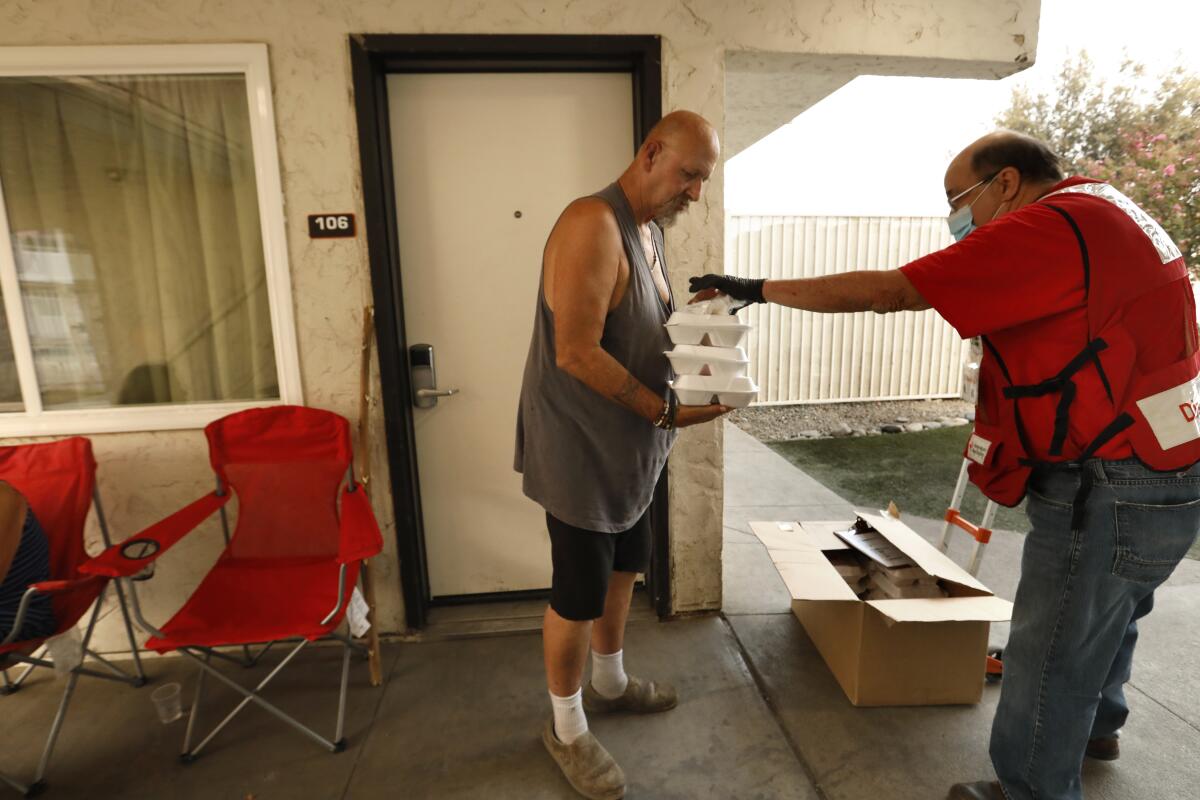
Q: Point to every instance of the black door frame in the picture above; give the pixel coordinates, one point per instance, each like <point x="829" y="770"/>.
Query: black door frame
<point x="373" y="57"/>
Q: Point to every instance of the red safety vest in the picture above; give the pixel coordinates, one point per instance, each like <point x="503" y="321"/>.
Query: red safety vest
<point x="1153" y="404"/>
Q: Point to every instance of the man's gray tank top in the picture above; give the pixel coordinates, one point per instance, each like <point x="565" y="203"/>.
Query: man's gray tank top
<point x="587" y="460"/>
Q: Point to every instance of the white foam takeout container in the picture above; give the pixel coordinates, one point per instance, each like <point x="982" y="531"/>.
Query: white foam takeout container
<point x="706" y="329"/>
<point x="694" y="359"/>
<point x="699" y="390"/>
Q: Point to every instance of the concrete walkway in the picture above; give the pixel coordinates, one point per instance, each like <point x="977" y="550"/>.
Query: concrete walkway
<point x="902" y="753"/>
<point x="760" y="716"/>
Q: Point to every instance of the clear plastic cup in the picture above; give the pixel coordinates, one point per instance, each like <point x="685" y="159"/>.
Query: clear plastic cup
<point x="168" y="702"/>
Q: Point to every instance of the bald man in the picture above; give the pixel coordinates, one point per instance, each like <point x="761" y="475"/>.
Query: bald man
<point x="1088" y="404"/>
<point x="595" y="424"/>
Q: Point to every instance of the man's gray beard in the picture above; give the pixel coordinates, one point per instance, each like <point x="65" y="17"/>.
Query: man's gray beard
<point x="670" y="216"/>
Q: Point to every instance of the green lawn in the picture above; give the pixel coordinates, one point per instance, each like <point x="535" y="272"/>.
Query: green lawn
<point x="917" y="470"/>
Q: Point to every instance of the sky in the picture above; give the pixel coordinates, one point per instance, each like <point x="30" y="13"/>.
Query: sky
<point x="847" y="155"/>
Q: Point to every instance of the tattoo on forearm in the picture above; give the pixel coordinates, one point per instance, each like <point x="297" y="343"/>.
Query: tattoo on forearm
<point x="627" y="392"/>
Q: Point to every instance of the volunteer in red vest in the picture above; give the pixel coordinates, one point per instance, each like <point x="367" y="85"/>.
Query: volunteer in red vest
<point x="1088" y="397"/>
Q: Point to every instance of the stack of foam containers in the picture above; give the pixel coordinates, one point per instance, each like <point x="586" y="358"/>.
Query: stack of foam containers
<point x="709" y="361"/>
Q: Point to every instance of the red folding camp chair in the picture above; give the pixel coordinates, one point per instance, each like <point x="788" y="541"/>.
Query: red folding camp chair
<point x="287" y="572"/>
<point x="58" y="479"/>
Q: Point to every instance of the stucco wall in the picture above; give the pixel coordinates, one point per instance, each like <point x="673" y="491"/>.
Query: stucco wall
<point x="144" y="475"/>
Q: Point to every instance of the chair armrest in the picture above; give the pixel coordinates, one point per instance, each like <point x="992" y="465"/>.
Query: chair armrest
<point x="358" y="532"/>
<point x="61" y="587"/>
<point x="129" y="557"/>
<point x="45" y="587"/>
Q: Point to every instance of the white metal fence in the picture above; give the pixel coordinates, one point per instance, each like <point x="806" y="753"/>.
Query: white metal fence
<point x="801" y="357"/>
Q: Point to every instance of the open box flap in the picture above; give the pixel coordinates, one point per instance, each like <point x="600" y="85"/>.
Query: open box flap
<point x="774" y="537"/>
<point x="823" y="535"/>
<point x="945" y="609"/>
<point x="922" y="553"/>
<point x="805" y="570"/>
<point x="817" y="580"/>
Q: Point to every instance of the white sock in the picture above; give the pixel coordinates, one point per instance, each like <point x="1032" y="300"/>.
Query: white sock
<point x="608" y="674"/>
<point x="569" y="720"/>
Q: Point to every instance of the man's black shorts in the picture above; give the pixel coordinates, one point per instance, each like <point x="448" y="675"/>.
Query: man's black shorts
<point x="584" y="559"/>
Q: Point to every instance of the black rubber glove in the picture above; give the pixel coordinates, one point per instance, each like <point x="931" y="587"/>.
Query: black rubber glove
<point x="749" y="290"/>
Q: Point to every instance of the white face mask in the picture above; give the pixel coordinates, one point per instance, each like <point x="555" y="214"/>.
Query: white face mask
<point x="962" y="221"/>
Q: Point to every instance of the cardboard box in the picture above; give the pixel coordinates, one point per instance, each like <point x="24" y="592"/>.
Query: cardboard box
<point x="887" y="652"/>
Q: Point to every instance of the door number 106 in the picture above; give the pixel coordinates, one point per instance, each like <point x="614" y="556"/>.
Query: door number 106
<point x="330" y="225"/>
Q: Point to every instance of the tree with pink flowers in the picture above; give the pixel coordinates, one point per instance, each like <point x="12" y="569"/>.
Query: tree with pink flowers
<point x="1143" y="137"/>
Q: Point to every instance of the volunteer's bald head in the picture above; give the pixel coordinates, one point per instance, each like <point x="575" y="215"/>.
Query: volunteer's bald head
<point x="1031" y="157"/>
<point x="1001" y="172"/>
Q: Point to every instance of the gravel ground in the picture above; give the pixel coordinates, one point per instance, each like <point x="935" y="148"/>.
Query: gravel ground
<point x="785" y="423"/>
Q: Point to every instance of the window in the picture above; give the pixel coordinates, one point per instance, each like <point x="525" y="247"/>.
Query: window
<point x="143" y="267"/>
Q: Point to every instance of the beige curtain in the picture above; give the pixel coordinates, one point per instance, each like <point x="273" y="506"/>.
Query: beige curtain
<point x="134" y="212"/>
<point x="10" y="389"/>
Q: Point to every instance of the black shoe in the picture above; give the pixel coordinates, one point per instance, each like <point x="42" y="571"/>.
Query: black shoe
<point x="980" y="790"/>
<point x="1105" y="748"/>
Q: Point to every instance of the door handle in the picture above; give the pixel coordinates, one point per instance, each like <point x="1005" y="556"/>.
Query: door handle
<point x="424" y="377"/>
<point x="424" y="393"/>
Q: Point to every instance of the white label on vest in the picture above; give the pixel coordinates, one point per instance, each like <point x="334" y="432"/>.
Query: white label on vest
<point x="1174" y="415"/>
<point x="978" y="448"/>
<point x="1168" y="251"/>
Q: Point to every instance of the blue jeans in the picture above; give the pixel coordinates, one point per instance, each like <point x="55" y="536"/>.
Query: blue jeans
<point x="1074" y="624"/>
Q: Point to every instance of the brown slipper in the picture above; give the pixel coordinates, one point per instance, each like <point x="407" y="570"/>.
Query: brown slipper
<point x="640" y="697"/>
<point x="586" y="765"/>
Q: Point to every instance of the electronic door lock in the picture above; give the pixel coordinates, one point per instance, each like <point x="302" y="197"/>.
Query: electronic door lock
<point x="424" y="377"/>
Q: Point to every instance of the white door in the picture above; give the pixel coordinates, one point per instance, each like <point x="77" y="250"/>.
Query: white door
<point x="484" y="164"/>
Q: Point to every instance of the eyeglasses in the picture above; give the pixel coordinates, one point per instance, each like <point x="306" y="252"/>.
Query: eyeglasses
<point x="965" y="192"/>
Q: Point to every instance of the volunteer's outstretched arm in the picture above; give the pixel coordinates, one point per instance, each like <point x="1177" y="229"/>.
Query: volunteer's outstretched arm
<point x="881" y="291"/>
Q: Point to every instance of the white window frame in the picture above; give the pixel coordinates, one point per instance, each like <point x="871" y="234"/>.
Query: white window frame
<point x="249" y="60"/>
